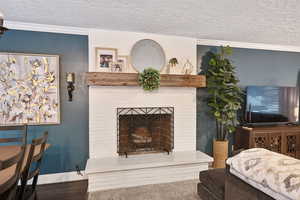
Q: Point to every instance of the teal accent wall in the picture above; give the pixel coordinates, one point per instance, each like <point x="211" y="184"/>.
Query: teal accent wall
<point x="69" y="140"/>
<point x="254" y="67"/>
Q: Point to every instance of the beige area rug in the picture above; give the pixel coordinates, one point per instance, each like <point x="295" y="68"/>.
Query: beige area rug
<point x="184" y="190"/>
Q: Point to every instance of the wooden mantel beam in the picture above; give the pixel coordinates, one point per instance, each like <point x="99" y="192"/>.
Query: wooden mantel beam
<point x="131" y="79"/>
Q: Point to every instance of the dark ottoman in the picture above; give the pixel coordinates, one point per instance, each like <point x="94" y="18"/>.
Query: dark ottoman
<point x="212" y="184"/>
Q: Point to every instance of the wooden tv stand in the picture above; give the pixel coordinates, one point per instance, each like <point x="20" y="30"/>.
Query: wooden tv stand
<point x="283" y="139"/>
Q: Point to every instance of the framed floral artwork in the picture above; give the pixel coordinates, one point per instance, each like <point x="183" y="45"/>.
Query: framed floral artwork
<point x="29" y="89"/>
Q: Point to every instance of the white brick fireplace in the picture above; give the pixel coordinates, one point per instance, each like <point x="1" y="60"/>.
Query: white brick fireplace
<point x="105" y="168"/>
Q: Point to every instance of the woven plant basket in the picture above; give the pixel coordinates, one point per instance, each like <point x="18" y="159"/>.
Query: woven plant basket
<point x="220" y="149"/>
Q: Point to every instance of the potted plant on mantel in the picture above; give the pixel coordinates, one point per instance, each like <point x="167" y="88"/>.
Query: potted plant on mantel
<point x="225" y="98"/>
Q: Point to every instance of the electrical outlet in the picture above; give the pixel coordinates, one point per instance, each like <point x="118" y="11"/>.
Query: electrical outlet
<point x="78" y="170"/>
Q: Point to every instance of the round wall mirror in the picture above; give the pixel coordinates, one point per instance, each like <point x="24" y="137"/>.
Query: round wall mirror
<point x="147" y="53"/>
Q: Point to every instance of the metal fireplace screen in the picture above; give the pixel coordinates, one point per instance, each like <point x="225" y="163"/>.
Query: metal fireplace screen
<point x="145" y="130"/>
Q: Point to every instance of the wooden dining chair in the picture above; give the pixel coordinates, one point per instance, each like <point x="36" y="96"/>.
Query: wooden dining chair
<point x="10" y="167"/>
<point x="32" y="168"/>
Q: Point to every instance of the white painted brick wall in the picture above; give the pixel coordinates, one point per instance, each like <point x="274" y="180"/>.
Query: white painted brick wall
<point x="103" y="118"/>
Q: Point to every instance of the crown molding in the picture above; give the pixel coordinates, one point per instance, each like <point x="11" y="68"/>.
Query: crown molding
<point x="248" y="45"/>
<point x="46" y="28"/>
<point x="85" y="31"/>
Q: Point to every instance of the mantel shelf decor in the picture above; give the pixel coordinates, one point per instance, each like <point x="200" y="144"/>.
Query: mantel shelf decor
<point x="131" y="79"/>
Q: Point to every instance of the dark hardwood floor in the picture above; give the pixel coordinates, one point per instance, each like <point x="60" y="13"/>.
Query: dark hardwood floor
<point x="76" y="190"/>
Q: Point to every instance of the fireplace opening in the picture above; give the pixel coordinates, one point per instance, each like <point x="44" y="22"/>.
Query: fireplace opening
<point x="145" y="130"/>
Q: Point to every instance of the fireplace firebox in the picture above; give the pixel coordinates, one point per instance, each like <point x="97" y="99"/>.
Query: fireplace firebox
<point x="145" y="130"/>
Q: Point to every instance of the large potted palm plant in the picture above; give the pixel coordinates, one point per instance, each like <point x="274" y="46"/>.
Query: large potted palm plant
<point x="225" y="98"/>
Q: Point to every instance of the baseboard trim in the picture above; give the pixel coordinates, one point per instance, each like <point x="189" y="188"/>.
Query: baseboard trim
<point x="61" y="177"/>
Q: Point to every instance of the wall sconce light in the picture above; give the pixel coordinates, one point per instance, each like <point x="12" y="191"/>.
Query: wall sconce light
<point x="2" y="28"/>
<point x="70" y="81"/>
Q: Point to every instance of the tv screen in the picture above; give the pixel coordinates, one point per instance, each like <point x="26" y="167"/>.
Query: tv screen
<point x="271" y="104"/>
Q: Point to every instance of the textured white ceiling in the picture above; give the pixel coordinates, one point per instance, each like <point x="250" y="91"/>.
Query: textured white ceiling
<point x="260" y="21"/>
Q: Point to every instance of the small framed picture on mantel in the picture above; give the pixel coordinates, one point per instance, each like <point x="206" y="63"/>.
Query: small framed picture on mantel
<point x="105" y="58"/>
<point x="123" y="62"/>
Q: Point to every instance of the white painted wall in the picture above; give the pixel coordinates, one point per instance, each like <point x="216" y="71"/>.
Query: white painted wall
<point x="104" y="101"/>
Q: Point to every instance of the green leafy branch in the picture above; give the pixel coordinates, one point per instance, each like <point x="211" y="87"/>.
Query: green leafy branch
<point x="149" y="79"/>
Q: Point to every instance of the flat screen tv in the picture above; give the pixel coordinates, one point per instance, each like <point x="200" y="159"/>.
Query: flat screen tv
<point x="272" y="104"/>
